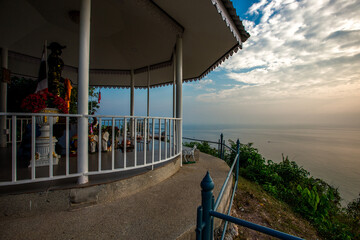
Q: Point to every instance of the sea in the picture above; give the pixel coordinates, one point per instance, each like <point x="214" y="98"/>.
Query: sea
<point x="330" y="153"/>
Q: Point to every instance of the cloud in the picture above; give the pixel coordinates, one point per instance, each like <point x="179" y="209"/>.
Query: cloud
<point x="206" y="82"/>
<point x="202" y="85"/>
<point x="302" y="49"/>
<point x="300" y="65"/>
<point x="256" y="7"/>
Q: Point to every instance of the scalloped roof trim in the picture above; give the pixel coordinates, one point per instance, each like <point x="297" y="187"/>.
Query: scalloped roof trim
<point x="228" y="13"/>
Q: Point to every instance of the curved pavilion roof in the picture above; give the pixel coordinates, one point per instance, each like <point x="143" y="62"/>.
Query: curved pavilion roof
<point x="138" y="35"/>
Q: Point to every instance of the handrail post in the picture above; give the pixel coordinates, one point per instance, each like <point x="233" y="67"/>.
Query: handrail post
<point x="221" y="146"/>
<point x="207" y="205"/>
<point x="238" y="159"/>
<point x="199" y="223"/>
<point x="223" y="150"/>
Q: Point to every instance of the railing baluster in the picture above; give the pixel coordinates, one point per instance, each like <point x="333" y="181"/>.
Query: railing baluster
<point x="148" y="128"/>
<point x="21" y="129"/>
<point x="67" y="145"/>
<point x="99" y="144"/>
<point x="165" y="125"/>
<point x="160" y="139"/>
<point x="33" y="136"/>
<point x="153" y="144"/>
<point x="174" y="136"/>
<point x="8" y="122"/>
<point x="138" y="126"/>
<point x="13" y="141"/>
<point x="145" y="139"/>
<point x="113" y="145"/>
<point x="125" y="141"/>
<point x="170" y="138"/>
<point x="135" y="141"/>
<point x="10" y="131"/>
<point x="51" y="149"/>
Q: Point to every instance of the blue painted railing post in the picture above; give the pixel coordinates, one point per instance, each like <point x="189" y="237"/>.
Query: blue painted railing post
<point x="238" y="159"/>
<point x="199" y="223"/>
<point x="221" y="146"/>
<point x="223" y="151"/>
<point x="207" y="205"/>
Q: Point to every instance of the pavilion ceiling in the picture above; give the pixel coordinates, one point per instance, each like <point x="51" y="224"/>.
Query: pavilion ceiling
<point x="126" y="35"/>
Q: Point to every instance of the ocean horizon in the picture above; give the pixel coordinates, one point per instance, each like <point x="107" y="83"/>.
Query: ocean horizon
<point x="331" y="153"/>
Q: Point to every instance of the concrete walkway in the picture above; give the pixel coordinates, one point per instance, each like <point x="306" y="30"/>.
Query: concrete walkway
<point x="164" y="211"/>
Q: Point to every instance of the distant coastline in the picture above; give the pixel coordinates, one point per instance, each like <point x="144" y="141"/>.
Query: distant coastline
<point x="221" y="126"/>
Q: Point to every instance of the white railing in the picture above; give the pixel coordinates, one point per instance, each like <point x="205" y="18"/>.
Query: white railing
<point x="21" y="124"/>
<point x="118" y="143"/>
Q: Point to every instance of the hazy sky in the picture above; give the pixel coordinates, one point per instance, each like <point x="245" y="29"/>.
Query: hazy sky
<point x="300" y="65"/>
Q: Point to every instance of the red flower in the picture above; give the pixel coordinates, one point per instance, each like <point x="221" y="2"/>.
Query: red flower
<point x="38" y="101"/>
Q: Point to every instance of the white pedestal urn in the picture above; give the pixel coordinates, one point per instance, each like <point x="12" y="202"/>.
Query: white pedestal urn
<point x="42" y="146"/>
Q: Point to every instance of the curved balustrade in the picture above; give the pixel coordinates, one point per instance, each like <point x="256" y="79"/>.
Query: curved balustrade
<point x="116" y="143"/>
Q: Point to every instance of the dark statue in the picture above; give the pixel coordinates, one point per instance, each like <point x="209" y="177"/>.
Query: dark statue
<point x="56" y="65"/>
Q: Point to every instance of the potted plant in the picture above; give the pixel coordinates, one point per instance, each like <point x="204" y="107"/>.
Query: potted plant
<point x="44" y="102"/>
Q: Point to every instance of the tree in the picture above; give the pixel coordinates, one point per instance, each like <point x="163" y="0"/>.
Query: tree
<point x="93" y="100"/>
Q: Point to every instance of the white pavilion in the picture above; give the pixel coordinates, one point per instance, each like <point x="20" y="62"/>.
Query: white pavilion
<point x="109" y="43"/>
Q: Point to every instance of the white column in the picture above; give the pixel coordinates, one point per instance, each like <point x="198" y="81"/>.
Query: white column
<point x="83" y="95"/>
<point x="132" y="107"/>
<point x="3" y="99"/>
<point x="174" y="86"/>
<point x="179" y="80"/>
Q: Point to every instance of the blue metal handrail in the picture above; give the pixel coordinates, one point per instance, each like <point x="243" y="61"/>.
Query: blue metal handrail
<point x="207" y="211"/>
<point x="221" y="142"/>
<point x="230" y="204"/>
<point x="254" y="226"/>
<point x="200" y="140"/>
<point x="220" y="196"/>
<point x="230" y="148"/>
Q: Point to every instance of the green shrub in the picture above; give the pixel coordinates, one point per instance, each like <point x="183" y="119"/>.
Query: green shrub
<point x="312" y="198"/>
<point x="353" y="211"/>
<point x="203" y="147"/>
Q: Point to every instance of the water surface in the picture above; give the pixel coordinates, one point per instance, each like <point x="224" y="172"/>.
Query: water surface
<point x="329" y="153"/>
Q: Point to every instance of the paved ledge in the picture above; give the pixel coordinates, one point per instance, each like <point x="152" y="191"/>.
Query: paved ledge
<point x="166" y="210"/>
<point x="99" y="190"/>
